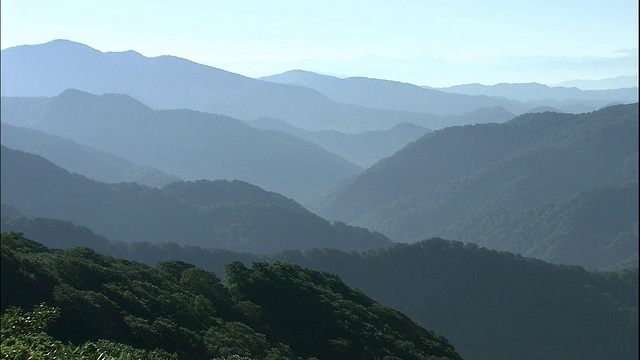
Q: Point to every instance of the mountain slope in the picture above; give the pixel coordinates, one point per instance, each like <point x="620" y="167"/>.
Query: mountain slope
<point x="80" y="159"/>
<point x="492" y="305"/>
<point x="363" y="149"/>
<point x="185" y="310"/>
<point x="168" y="82"/>
<point x="597" y="228"/>
<point x="232" y="215"/>
<point x="190" y="144"/>
<point x="458" y="172"/>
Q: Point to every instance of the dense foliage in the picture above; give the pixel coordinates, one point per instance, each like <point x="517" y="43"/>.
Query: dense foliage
<point x="24" y="336"/>
<point x="491" y="305"/>
<point x="214" y="214"/>
<point x="268" y="311"/>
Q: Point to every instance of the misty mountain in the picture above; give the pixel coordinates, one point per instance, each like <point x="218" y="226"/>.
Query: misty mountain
<point x="81" y="159"/>
<point x="363" y="149"/>
<point x="458" y="172"/>
<point x="392" y="95"/>
<point x="168" y="82"/>
<point x="491" y="305"/>
<point x="190" y="144"/>
<point x="233" y="215"/>
<point x="483" y="115"/>
<point x="539" y="92"/>
<point x="618" y="82"/>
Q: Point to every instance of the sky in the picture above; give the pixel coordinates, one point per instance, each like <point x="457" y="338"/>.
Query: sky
<point x="433" y="43"/>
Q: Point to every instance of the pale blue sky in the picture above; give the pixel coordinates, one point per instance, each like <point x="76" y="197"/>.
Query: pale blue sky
<point x="435" y="43"/>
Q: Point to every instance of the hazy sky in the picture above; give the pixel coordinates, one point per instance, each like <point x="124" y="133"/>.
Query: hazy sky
<point x="435" y="43"/>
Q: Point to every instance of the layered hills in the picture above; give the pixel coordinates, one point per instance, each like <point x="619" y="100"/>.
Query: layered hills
<point x="392" y="95"/>
<point x="232" y="215"/>
<point x="80" y="159"/>
<point x="540" y="92"/>
<point x="363" y="149"/>
<point x="491" y="305"/>
<point x="188" y="143"/>
<point x="185" y="311"/>
<point x="168" y="82"/>
<point x="457" y="173"/>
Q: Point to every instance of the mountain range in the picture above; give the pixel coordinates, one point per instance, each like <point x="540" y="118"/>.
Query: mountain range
<point x="489" y="304"/>
<point x="363" y="149"/>
<point x="456" y="100"/>
<point x="168" y="82"/>
<point x="454" y="174"/>
<point x="80" y="159"/>
<point x="538" y="92"/>
<point x="192" y="144"/>
<point x="233" y="215"/>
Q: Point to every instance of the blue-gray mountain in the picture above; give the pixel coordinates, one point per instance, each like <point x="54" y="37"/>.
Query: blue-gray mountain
<point x="221" y="214"/>
<point x="168" y="82"/>
<point x="84" y="160"/>
<point x="454" y="174"/>
<point x="363" y="149"/>
<point x="190" y="144"/>
<point x="392" y="95"/>
<point x="539" y="92"/>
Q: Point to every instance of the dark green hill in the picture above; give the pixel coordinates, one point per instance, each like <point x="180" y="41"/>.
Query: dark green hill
<point x="496" y="305"/>
<point x="268" y="311"/>
<point x="459" y="172"/>
<point x="597" y="228"/>
<point x="492" y="305"/>
<point x="233" y="215"/>
<point x="168" y="82"/>
<point x="190" y="144"/>
<point x="81" y="159"/>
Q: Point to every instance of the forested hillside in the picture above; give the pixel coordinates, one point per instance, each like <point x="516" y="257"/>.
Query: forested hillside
<point x="602" y="223"/>
<point x="456" y="173"/>
<point x="185" y="310"/>
<point x="189" y="144"/>
<point x="491" y="305"/>
<point x="222" y="214"/>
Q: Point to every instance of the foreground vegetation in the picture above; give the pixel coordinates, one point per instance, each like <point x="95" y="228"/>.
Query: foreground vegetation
<point x="123" y="308"/>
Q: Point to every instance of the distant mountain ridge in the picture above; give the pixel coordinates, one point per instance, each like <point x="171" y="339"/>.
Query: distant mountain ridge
<point x="618" y="82"/>
<point x="231" y="215"/>
<point x="392" y="95"/>
<point x="168" y="82"/>
<point x="363" y="149"/>
<point x="190" y="144"/>
<point x="539" y="92"/>
<point x="81" y="159"/>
